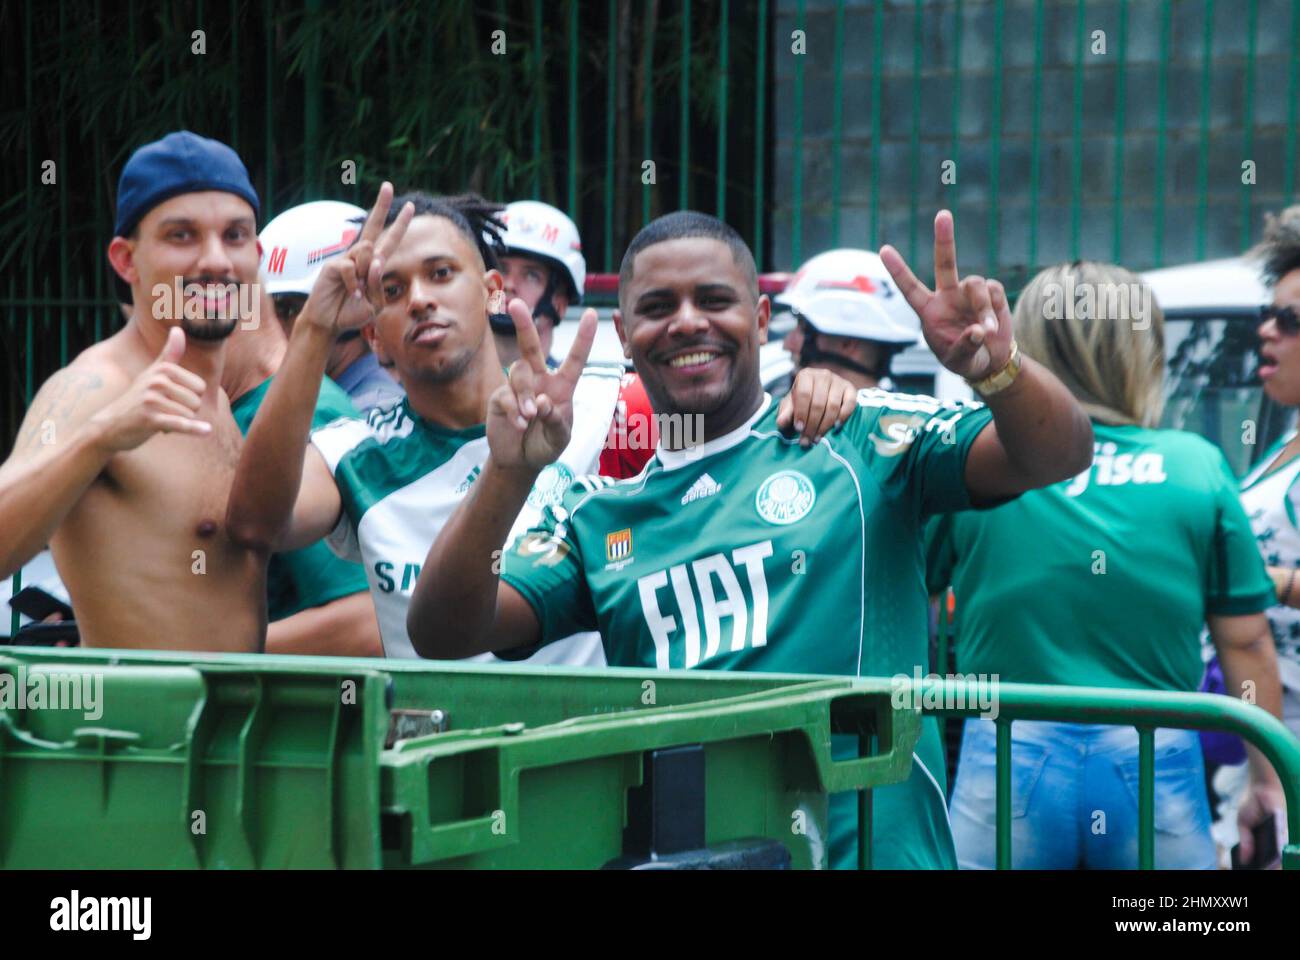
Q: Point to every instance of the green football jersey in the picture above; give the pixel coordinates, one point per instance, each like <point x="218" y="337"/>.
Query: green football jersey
<point x="1104" y="580"/>
<point x="401" y="477"/>
<point x="311" y="576"/>
<point x="751" y="553"/>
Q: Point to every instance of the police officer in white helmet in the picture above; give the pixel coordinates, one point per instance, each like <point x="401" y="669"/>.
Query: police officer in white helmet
<point x="850" y="318"/>
<point x="541" y="264"/>
<point x="295" y="245"/>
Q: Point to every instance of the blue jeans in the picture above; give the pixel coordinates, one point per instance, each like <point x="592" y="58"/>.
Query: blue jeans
<point x="1074" y="798"/>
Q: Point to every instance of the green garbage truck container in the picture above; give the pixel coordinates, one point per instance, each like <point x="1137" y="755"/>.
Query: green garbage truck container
<point x="123" y="759"/>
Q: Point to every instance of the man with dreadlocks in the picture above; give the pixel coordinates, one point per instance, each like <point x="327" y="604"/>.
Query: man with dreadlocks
<point x="422" y="280"/>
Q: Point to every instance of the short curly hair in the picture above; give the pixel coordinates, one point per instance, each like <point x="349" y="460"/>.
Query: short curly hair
<point x="686" y="225"/>
<point x="1279" y="250"/>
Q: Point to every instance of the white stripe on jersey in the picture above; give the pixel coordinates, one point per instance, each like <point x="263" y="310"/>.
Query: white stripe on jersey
<point x="338" y="439"/>
<point x="912" y="402"/>
<point x="941" y="414"/>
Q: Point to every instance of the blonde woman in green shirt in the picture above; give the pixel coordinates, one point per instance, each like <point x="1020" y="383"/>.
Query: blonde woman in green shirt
<point x="1105" y="580"/>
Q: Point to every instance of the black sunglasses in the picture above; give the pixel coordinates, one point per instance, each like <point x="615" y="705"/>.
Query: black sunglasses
<point x="1288" y="320"/>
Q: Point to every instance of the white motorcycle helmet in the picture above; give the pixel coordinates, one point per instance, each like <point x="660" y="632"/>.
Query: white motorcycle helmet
<point x="296" y="244"/>
<point x="536" y="229"/>
<point x="849" y="293"/>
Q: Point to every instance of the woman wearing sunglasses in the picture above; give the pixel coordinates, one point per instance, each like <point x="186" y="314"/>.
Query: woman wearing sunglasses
<point x="1106" y="580"/>
<point x="1270" y="493"/>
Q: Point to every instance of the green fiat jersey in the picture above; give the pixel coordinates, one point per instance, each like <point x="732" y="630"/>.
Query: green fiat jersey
<point x="1104" y="580"/>
<point x="311" y="576"/>
<point x="751" y="553"/>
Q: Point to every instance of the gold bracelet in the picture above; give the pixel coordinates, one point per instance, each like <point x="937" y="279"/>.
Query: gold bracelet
<point x="999" y="381"/>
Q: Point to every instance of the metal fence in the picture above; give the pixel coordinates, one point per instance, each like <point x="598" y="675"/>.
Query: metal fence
<point x="614" y="110"/>
<point x="1112" y="129"/>
<point x="1146" y="711"/>
<point x="1055" y="129"/>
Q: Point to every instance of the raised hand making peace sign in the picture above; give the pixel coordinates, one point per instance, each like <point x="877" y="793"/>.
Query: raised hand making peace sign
<point x="347" y="293"/>
<point x="530" y="418"/>
<point x="967" y="323"/>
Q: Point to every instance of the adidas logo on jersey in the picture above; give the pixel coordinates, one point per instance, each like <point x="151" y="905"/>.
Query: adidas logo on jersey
<point x="705" y="486"/>
<point x="467" y="482"/>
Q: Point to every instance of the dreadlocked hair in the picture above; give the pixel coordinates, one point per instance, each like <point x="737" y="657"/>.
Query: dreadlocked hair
<point x="475" y="217"/>
<point x="1279" y="250"/>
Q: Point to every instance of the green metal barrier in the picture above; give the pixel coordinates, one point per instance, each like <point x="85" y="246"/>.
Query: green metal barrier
<point x="1147" y="711"/>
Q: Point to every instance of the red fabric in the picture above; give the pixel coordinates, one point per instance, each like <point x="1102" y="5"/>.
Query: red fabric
<point x="633" y="434"/>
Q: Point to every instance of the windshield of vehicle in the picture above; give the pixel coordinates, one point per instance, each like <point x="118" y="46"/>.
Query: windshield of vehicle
<point x="1212" y="388"/>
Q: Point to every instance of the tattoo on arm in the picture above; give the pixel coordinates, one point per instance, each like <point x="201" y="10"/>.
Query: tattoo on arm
<point x="54" y="406"/>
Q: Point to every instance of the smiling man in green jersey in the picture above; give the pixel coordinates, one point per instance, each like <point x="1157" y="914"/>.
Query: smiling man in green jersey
<point x="379" y="490"/>
<point x="748" y="552"/>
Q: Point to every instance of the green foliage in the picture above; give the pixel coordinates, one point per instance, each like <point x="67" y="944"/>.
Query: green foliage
<point x="410" y="92"/>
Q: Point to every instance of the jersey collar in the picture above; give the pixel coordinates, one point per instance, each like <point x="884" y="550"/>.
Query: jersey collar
<point x="469" y="433"/>
<point x="1256" y="473"/>
<point x="674" y="459"/>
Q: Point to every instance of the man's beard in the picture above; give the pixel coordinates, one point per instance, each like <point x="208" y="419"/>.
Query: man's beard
<point x="454" y="364"/>
<point x="210" y="329"/>
<point x="453" y="369"/>
<point x="218" y="324"/>
<point x="695" y="400"/>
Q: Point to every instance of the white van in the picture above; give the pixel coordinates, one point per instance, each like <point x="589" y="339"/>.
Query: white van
<point x="1212" y="349"/>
